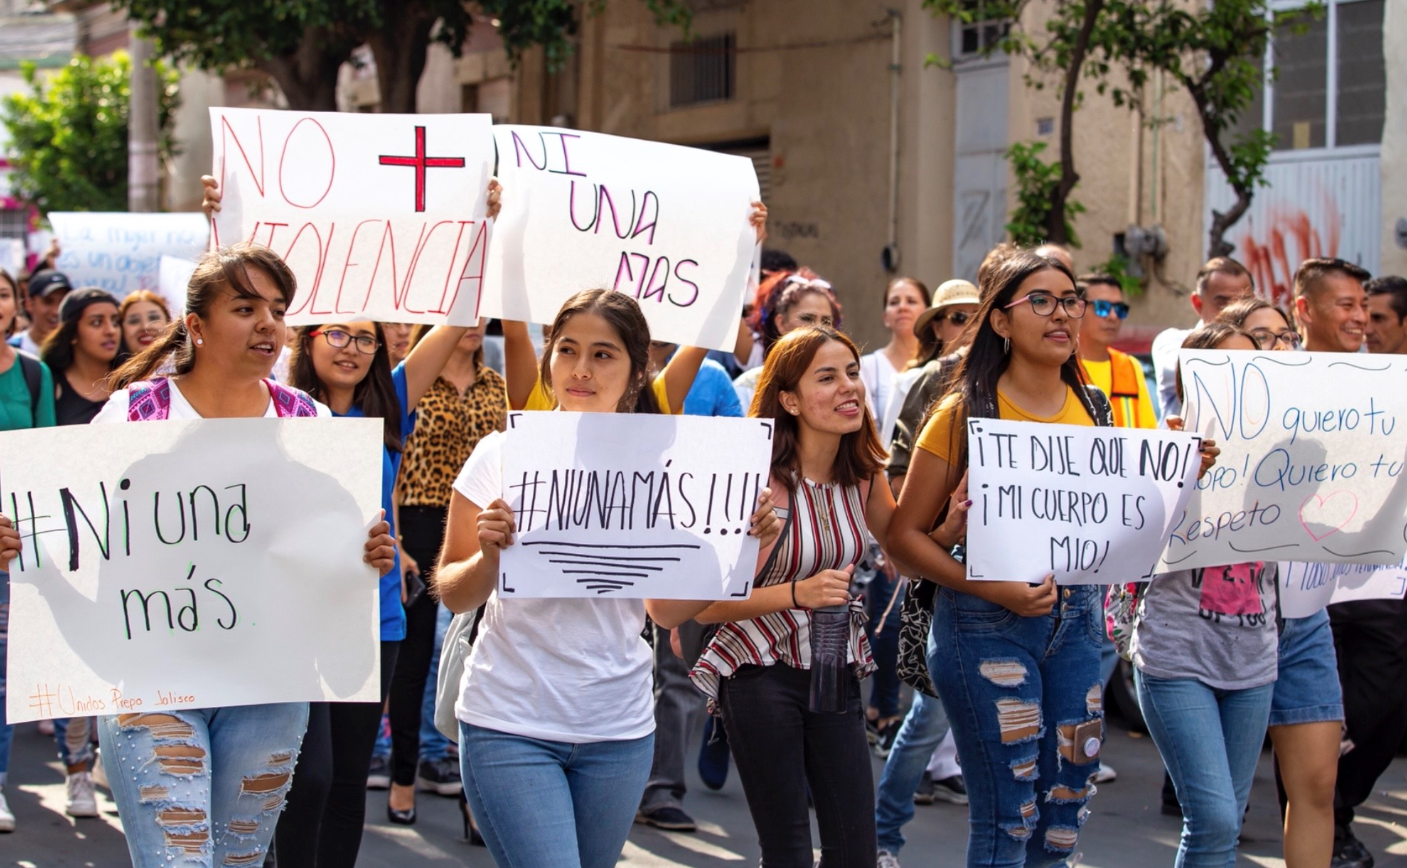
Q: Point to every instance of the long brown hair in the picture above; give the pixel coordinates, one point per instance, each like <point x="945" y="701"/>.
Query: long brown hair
<point x="218" y="271"/>
<point x="375" y="395"/>
<point x="1209" y="337"/>
<point x="860" y="455"/>
<point x="623" y="314"/>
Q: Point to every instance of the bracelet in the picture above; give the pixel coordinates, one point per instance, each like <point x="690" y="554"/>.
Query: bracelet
<point x="794" y="603"/>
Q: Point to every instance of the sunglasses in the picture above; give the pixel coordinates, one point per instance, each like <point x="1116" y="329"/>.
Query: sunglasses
<point x="1043" y="304"/>
<point x="959" y="318"/>
<point x="1104" y="308"/>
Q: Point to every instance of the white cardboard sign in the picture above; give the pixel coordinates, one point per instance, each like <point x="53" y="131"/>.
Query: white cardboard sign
<point x="666" y="224"/>
<point x="1313" y="447"/>
<point x="380" y="216"/>
<point x="173" y="277"/>
<point x="1090" y="505"/>
<point x="630" y="505"/>
<point x="191" y="564"/>
<point x="1307" y="588"/>
<point x="122" y="253"/>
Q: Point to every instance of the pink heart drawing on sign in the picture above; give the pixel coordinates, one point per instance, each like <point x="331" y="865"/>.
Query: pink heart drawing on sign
<point x="1324" y="509"/>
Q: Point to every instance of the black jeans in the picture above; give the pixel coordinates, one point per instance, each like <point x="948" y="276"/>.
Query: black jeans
<point x="422" y="531"/>
<point x="1370" y="639"/>
<point x="780" y="746"/>
<point x="322" y="824"/>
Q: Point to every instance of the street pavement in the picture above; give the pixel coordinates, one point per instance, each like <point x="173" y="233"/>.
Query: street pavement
<point x="1127" y="828"/>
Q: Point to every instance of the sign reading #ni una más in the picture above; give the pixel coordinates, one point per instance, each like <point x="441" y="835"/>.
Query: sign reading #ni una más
<point x="380" y="217"/>
<point x="1088" y="505"/>
<point x="191" y="564"/>
<point x="1312" y="452"/>
<point x="665" y="224"/>
<point x="633" y="505"/>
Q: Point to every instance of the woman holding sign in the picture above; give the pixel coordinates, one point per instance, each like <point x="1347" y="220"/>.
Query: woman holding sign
<point x="206" y="786"/>
<point x="1016" y="664"/>
<point x="556" y="703"/>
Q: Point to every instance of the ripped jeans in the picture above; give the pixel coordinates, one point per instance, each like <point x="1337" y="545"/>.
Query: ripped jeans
<point x="1027" y="708"/>
<point x="202" y="787"/>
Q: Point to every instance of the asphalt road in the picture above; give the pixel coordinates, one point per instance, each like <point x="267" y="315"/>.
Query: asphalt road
<point x="1127" y="828"/>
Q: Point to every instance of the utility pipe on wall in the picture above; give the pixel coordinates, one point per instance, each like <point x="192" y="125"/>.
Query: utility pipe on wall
<point x="890" y="257"/>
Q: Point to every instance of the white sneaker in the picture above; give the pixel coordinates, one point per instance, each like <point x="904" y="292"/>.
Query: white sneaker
<point x="887" y="860"/>
<point x="7" y="819"/>
<point x="99" y="774"/>
<point x="1105" y="774"/>
<point x="81" y="801"/>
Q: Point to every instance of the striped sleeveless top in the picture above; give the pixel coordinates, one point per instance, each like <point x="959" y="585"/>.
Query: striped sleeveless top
<point x="825" y="530"/>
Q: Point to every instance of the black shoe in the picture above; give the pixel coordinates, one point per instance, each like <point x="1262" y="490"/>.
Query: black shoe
<point x="471" y="831"/>
<point x="440" y="776"/>
<point x="400" y="818"/>
<point x="884" y="739"/>
<point x="670" y="819"/>
<point x="951" y="790"/>
<point x="1349" y="852"/>
<point x="924" y="794"/>
<point x="379" y="776"/>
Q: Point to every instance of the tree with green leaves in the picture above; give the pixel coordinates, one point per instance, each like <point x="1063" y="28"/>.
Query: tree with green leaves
<point x="68" y="133"/>
<point x="302" y="43"/>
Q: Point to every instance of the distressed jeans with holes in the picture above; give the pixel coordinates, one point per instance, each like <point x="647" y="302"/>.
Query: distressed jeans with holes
<point x="202" y="787"/>
<point x="1016" y="689"/>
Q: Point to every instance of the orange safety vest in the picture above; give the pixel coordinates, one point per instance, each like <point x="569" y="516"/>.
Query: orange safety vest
<point x="1124" y="374"/>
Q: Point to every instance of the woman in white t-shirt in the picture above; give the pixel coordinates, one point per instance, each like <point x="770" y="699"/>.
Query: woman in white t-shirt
<point x="205" y="786"/>
<point x="556" y="704"/>
<point x="904" y="299"/>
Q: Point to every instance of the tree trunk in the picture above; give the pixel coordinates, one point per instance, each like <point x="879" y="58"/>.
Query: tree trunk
<point x="1056" y="220"/>
<point x="308" y="76"/>
<point x="1217" y="245"/>
<point x="399" y="48"/>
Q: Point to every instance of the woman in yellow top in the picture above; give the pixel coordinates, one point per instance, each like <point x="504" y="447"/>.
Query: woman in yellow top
<point x="1016" y="664"/>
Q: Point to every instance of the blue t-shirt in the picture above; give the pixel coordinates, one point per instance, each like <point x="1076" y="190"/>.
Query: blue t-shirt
<point x="712" y="393"/>
<point x="392" y="613"/>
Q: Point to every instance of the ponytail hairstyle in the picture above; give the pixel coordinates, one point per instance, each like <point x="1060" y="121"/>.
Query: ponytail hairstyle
<point x="224" y="270"/>
<point x="783" y="293"/>
<point x="975" y="382"/>
<point x="1210" y="336"/>
<point x="623" y="314"/>
<point x="375" y="395"/>
<point x="860" y="455"/>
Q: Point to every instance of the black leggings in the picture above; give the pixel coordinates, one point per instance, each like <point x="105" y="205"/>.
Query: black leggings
<point x="422" y="531"/>
<point x="322" y="825"/>
<point x="780" y="746"/>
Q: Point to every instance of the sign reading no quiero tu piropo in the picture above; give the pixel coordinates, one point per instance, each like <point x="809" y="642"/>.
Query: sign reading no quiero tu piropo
<point x="1088" y="505"/>
<point x="1312" y="452"/>
<point x="380" y="216"/>
<point x="665" y="224"/>
<point x="191" y="564"/>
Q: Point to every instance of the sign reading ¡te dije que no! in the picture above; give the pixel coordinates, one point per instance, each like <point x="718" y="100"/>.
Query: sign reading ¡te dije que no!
<point x="191" y="564"/>
<point x="630" y="505"/>
<point x="122" y="253"/>
<point x="380" y="217"/>
<point x="1089" y="505"/>
<point x="1313" y="447"/>
<point x="666" y="224"/>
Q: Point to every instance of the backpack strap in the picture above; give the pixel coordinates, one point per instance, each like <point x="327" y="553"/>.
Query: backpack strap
<point x="290" y="402"/>
<point x="1097" y="403"/>
<point x="33" y="372"/>
<point x="149" y="401"/>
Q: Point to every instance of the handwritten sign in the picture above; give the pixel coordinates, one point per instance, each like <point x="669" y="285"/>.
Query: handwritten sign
<point x="380" y="216"/>
<point x="174" y="275"/>
<point x="191" y="564"/>
<point x="626" y="505"/>
<point x="666" y="224"/>
<point x="1312" y="452"/>
<point x="1307" y="588"/>
<point x="121" y="253"/>
<point x="1090" y="505"/>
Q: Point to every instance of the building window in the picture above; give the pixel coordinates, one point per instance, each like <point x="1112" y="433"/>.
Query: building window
<point x="980" y="36"/>
<point x="703" y="70"/>
<point x="1330" y="83"/>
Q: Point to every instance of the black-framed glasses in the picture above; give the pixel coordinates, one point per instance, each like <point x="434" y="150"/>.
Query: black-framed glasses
<point x="1117" y="308"/>
<point x="1043" y="304"/>
<point x="957" y="318"/>
<point x="1267" y="339"/>
<point x="338" y="339"/>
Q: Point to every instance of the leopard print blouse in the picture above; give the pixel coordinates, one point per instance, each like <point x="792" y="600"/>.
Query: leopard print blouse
<point x="447" y="428"/>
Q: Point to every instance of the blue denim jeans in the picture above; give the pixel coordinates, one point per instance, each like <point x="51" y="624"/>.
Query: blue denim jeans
<point x="884" y="642"/>
<point x="433" y="744"/>
<point x="924" y="727"/>
<point x="1027" y="711"/>
<point x="202" y="787"/>
<point x="547" y="804"/>
<point x="1210" y="741"/>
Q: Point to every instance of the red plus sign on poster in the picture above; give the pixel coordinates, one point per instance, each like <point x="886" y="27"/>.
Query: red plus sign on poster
<point x="421" y="163"/>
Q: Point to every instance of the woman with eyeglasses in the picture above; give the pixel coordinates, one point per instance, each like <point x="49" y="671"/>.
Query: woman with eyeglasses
<point x="1118" y="375"/>
<point x="792" y="301"/>
<point x="1267" y="324"/>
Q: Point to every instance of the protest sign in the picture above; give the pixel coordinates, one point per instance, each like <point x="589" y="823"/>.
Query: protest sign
<point x="665" y="224"/>
<point x="380" y="217"/>
<point x="1090" y="505"/>
<point x="191" y="564"/>
<point x="121" y="253"/>
<point x="1312" y="451"/>
<point x="627" y="505"/>
<point x="173" y="277"/>
<point x="1307" y="588"/>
